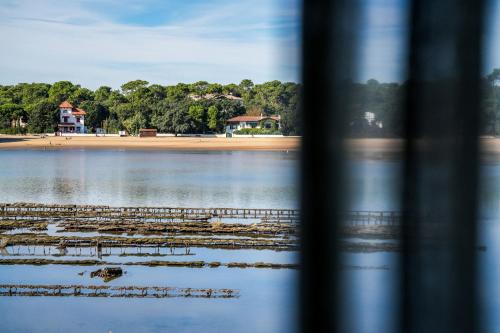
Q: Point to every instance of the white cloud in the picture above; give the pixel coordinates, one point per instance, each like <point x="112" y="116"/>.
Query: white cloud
<point x="47" y="41"/>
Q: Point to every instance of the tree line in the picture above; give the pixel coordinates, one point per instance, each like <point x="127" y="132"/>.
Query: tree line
<point x="386" y="101"/>
<point x="202" y="107"/>
<point x="199" y="107"/>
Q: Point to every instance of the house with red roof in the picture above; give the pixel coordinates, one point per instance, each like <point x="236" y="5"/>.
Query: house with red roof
<point x="241" y="122"/>
<point x="71" y="119"/>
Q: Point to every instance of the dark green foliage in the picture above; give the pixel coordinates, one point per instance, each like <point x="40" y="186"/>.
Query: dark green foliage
<point x="171" y="117"/>
<point x="203" y="107"/>
<point x="198" y="117"/>
<point x="111" y="125"/>
<point x="256" y="131"/>
<point x="43" y="117"/>
<point x="491" y="104"/>
<point x="213" y="118"/>
<point x="8" y="112"/>
<point x="199" y="107"/>
<point x="61" y="91"/>
<point x="96" y="114"/>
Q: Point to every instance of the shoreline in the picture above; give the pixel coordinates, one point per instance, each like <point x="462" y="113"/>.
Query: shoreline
<point x="367" y="147"/>
<point x="15" y="142"/>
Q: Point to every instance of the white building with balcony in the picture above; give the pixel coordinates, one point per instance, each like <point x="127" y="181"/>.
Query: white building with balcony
<point x="71" y="119"/>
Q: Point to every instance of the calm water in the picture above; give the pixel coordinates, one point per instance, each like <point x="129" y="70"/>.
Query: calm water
<point x="154" y="178"/>
<point x="149" y="178"/>
<point x="225" y="179"/>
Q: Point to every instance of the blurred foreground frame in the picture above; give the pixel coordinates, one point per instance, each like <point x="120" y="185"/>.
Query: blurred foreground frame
<point x="440" y="192"/>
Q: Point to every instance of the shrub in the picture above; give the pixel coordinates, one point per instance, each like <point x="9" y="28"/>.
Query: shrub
<point x="13" y="130"/>
<point x="257" y="131"/>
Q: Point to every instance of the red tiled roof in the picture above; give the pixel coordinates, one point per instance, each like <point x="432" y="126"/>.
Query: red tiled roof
<point x="78" y="112"/>
<point x="65" y="104"/>
<point x="251" y="118"/>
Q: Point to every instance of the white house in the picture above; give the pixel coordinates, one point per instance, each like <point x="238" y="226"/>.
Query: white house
<point x="240" y="122"/>
<point x="371" y="120"/>
<point x="71" y="119"/>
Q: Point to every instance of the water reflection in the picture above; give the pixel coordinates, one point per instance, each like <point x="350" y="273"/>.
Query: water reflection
<point x="113" y="177"/>
<point x="154" y="178"/>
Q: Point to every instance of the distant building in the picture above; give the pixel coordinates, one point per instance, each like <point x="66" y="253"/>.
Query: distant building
<point x="370" y="117"/>
<point x="371" y="120"/>
<point x="71" y="119"/>
<point x="147" y="132"/>
<point x="196" y="97"/>
<point x="19" y="122"/>
<point x="241" y="122"/>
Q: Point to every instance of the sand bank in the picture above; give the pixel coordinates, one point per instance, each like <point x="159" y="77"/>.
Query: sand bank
<point x="363" y="147"/>
<point x="160" y="143"/>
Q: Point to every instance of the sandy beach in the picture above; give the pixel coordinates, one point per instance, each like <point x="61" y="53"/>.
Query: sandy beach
<point x="160" y="143"/>
<point x="373" y="147"/>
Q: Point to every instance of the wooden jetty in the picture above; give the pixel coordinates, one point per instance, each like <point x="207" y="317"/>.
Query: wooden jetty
<point x="372" y="217"/>
<point x="20" y="210"/>
<point x="179" y="214"/>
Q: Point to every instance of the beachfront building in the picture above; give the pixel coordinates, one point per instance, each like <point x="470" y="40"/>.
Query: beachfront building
<point x="372" y="120"/>
<point x="241" y="122"/>
<point x="71" y="119"/>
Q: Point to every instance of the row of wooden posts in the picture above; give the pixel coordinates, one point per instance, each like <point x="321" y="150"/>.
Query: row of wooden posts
<point x="24" y="210"/>
<point x="110" y="291"/>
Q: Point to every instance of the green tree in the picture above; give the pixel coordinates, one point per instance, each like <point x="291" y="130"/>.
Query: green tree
<point x="213" y="118"/>
<point x="102" y="94"/>
<point x="81" y="95"/>
<point x="171" y="118"/>
<point x="96" y="114"/>
<point x="10" y="112"/>
<point x="490" y="117"/>
<point x="199" y="88"/>
<point x="61" y="91"/>
<point x="43" y="117"/>
<point x="214" y="88"/>
<point x="134" y="86"/>
<point x="197" y="114"/>
<point x="134" y="123"/>
<point x="136" y="104"/>
<point x="246" y="85"/>
<point x="112" y="125"/>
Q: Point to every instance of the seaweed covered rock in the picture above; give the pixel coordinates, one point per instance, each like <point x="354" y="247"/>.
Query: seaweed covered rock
<point x="107" y="273"/>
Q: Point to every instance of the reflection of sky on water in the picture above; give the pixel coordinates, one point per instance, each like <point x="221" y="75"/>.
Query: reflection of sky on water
<point x="160" y="178"/>
<point x="134" y="254"/>
<point x="237" y="179"/>
<point x="372" y="293"/>
<point x="163" y="178"/>
<point x="265" y="305"/>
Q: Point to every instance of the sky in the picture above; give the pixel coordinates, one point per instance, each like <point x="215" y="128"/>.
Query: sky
<point x="110" y="42"/>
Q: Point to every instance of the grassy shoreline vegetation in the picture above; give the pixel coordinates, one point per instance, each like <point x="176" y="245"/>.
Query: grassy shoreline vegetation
<point x="199" y="107"/>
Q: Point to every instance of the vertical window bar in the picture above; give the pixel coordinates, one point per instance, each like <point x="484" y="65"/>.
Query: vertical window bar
<point x="441" y="167"/>
<point x="328" y="60"/>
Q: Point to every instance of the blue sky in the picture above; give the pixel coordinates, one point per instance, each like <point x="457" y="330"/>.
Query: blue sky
<point x="109" y="42"/>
